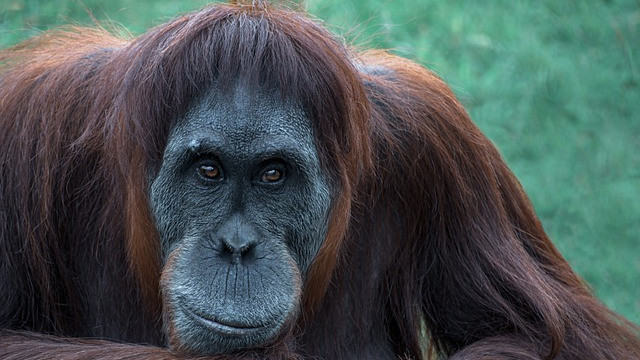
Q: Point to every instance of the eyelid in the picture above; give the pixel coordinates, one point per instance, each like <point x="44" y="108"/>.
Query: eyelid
<point x="201" y="150"/>
<point x="200" y="156"/>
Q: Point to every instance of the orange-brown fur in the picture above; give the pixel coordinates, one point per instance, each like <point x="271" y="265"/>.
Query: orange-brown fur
<point x="431" y="239"/>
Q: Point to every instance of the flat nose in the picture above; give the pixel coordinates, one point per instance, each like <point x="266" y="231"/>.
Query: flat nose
<point x="238" y="240"/>
<point x="237" y="245"/>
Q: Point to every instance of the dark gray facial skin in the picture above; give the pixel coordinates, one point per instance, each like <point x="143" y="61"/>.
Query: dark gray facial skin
<point x="237" y="244"/>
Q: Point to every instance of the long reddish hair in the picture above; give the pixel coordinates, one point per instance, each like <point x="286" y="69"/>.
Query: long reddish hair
<point x="431" y="238"/>
<point x="110" y="94"/>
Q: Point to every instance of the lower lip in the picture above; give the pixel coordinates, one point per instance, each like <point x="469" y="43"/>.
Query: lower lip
<point x="225" y="329"/>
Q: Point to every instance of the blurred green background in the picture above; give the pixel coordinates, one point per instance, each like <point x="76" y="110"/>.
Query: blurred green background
<point x="555" y="84"/>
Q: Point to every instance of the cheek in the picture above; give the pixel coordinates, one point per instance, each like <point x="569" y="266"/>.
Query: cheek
<point x="305" y="220"/>
<point x="167" y="201"/>
<point x="180" y="211"/>
<point x="168" y="308"/>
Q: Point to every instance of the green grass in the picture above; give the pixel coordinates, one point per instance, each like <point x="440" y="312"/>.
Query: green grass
<point x="555" y="84"/>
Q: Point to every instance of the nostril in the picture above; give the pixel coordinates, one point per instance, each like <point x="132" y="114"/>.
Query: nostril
<point x="227" y="247"/>
<point x="245" y="249"/>
<point x="236" y="249"/>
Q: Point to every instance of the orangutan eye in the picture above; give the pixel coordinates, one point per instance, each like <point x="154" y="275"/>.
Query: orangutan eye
<point x="272" y="175"/>
<point x="209" y="171"/>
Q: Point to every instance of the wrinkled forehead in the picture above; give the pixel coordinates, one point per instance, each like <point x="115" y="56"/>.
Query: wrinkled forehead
<point x="242" y="116"/>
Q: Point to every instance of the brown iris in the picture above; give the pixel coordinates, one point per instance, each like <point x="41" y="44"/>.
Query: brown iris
<point x="209" y="171"/>
<point x="272" y="175"/>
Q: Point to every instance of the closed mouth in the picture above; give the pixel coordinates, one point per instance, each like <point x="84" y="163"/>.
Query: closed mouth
<point x="230" y="328"/>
